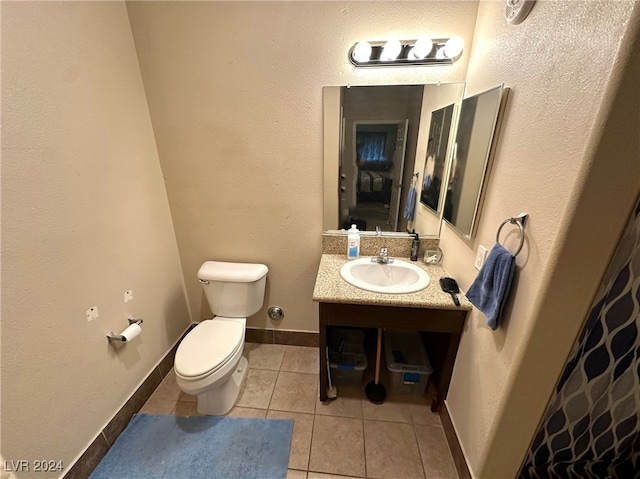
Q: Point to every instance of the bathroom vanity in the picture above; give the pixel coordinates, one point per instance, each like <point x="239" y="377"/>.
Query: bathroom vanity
<point x="430" y="310"/>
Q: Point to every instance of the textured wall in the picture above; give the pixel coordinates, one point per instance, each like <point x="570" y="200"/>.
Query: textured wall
<point x="85" y="217"/>
<point x="578" y="184"/>
<point x="235" y="94"/>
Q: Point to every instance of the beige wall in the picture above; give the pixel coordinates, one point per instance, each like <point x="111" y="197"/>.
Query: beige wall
<point x="235" y="94"/>
<point x="578" y="185"/>
<point x="85" y="217"/>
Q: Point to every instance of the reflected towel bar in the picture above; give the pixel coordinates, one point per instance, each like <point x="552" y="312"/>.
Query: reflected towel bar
<point x="519" y="221"/>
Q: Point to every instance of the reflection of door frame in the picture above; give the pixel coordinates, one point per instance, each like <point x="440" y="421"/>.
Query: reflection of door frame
<point x="398" y="166"/>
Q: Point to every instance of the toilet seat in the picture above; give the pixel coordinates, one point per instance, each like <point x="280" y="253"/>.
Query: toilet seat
<point x="208" y="347"/>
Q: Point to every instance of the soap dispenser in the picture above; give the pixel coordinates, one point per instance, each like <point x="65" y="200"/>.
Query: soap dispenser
<point x="415" y="246"/>
<point x="353" y="242"/>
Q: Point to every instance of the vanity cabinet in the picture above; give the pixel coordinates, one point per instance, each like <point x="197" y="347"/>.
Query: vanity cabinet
<point x="430" y="311"/>
<point x="444" y="325"/>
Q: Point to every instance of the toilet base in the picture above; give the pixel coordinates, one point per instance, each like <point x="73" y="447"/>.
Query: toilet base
<point x="219" y="400"/>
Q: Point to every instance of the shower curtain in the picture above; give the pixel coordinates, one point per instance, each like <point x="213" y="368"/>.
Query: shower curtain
<point x="591" y="428"/>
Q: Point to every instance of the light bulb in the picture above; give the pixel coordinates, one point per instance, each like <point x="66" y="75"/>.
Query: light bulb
<point x="421" y="49"/>
<point x="453" y="47"/>
<point x="362" y="52"/>
<point x="391" y="50"/>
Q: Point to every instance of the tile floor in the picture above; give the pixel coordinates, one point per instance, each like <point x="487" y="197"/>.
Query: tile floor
<point x="344" y="438"/>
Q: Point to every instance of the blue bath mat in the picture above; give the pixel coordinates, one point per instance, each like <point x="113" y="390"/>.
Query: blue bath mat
<point x="174" y="447"/>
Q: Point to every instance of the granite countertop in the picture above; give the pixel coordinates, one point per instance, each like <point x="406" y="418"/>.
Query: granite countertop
<point x="331" y="288"/>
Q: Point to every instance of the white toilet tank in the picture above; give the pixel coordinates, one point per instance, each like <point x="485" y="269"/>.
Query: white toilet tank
<point x="234" y="290"/>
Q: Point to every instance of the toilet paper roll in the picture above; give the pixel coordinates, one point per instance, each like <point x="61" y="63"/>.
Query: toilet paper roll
<point x="131" y="332"/>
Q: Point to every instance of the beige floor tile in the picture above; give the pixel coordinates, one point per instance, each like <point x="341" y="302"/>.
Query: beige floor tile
<point x="158" y="406"/>
<point x="168" y="389"/>
<point x="185" y="408"/>
<point x="246" y="412"/>
<point x="188" y="398"/>
<point x="301" y="439"/>
<point x="293" y="474"/>
<point x="436" y="456"/>
<point x="300" y="359"/>
<point x="337" y="446"/>
<point x="347" y="404"/>
<point x="418" y="409"/>
<point x="295" y="392"/>
<point x="390" y="410"/>
<point x="392" y="451"/>
<point x="257" y="389"/>
<point x="320" y="475"/>
<point x="264" y="356"/>
<point x="421" y="414"/>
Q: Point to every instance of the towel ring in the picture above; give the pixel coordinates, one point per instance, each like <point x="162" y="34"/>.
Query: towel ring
<point x="519" y="221"/>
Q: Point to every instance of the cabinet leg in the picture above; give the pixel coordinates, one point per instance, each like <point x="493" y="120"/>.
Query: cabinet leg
<point x="436" y="403"/>
<point x="446" y="372"/>
<point x="323" y="363"/>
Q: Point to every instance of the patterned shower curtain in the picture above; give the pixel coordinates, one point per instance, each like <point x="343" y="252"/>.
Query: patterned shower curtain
<point x="591" y="428"/>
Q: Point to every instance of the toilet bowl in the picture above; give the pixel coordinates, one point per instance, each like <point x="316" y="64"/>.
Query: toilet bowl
<point x="209" y="362"/>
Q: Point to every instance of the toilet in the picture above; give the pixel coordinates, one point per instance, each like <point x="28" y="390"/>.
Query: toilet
<point x="209" y="362"/>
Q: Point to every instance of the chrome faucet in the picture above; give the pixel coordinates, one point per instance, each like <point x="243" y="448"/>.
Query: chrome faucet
<point x="383" y="258"/>
<point x="378" y="231"/>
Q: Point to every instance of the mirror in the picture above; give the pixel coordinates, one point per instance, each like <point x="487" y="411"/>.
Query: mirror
<point x="436" y="162"/>
<point x="375" y="149"/>
<point x="470" y="157"/>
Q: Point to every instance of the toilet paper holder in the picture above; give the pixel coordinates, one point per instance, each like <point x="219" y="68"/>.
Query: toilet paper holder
<point x="119" y="337"/>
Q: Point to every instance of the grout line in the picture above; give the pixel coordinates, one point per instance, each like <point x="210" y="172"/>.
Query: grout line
<point x="364" y="447"/>
<point x="273" y="391"/>
<point x="415" y="437"/>
<point x="313" y="425"/>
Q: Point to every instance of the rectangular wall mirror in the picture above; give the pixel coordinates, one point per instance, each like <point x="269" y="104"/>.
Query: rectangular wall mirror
<point x="470" y="157"/>
<point x="376" y="138"/>
<point x="433" y="177"/>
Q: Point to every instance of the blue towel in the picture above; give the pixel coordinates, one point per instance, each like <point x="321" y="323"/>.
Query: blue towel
<point x="410" y="204"/>
<point x="490" y="289"/>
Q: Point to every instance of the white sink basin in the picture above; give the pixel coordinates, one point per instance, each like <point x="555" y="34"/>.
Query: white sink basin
<point x="396" y="277"/>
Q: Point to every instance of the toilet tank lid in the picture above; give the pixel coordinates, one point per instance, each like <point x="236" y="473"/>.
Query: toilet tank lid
<point x="231" y="272"/>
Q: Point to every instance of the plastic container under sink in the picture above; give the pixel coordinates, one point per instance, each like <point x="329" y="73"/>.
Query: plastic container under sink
<point x="347" y="358"/>
<point x="407" y="362"/>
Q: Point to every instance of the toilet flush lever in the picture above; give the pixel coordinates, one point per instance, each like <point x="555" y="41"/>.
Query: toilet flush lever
<point x="203" y="281"/>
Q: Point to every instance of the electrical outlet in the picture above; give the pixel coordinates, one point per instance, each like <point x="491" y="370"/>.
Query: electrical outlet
<point x="128" y="296"/>
<point x="481" y="255"/>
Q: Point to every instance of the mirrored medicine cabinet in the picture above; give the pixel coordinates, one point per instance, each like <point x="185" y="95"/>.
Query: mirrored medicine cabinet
<point x="380" y="140"/>
<point x="470" y="158"/>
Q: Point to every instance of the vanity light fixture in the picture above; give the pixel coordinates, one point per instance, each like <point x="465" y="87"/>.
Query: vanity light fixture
<point x="391" y="49"/>
<point x="423" y="51"/>
<point x="421" y="48"/>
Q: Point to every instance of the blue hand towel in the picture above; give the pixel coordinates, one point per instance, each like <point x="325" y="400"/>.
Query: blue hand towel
<point x="410" y="204"/>
<point x="490" y="289"/>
